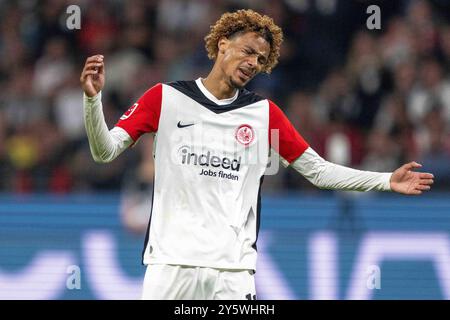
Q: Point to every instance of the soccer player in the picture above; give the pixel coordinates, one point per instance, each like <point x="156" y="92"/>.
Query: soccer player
<point x="213" y="140"/>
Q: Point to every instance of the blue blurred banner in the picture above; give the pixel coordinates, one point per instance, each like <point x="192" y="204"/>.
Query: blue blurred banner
<point x="310" y="247"/>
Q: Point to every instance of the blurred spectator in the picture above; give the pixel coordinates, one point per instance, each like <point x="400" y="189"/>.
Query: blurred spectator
<point x="422" y="24"/>
<point x="67" y="110"/>
<point x="21" y="107"/>
<point x="180" y="15"/>
<point x="52" y="69"/>
<point x="397" y="43"/>
<point x="367" y="76"/>
<point x="435" y="147"/>
<point x="381" y="154"/>
<point x="405" y="75"/>
<point x="100" y="27"/>
<point x="335" y="101"/>
<point x="301" y="113"/>
<point x="432" y="88"/>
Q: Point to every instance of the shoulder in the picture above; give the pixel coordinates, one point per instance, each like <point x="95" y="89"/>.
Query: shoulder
<point x="182" y="85"/>
<point x="155" y="90"/>
<point x="275" y="111"/>
<point x="152" y="97"/>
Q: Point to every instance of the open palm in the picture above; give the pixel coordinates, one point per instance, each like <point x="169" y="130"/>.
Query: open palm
<point x="405" y="180"/>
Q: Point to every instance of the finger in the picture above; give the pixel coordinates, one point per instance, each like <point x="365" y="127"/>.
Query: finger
<point x="426" y="181"/>
<point x="97" y="57"/>
<point x="91" y="72"/>
<point x="422" y="187"/>
<point x="425" y="175"/>
<point x="415" y="192"/>
<point x="412" y="165"/>
<point x="88" y="73"/>
<point x="83" y="76"/>
<point x="90" y="66"/>
<point x="93" y="65"/>
<point x="91" y="59"/>
<point x="101" y="68"/>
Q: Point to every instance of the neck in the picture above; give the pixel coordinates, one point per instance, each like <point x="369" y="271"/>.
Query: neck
<point x="217" y="83"/>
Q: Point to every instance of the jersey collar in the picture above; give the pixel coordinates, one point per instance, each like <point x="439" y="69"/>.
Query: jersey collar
<point x="211" y="97"/>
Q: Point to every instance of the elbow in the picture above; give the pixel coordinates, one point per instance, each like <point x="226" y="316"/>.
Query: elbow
<point x="101" y="153"/>
<point x="101" y="156"/>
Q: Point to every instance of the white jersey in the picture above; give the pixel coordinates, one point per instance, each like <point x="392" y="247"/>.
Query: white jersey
<point x="210" y="158"/>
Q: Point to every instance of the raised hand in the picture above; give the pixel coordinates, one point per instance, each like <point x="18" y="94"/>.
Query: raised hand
<point x="405" y="180"/>
<point x="93" y="75"/>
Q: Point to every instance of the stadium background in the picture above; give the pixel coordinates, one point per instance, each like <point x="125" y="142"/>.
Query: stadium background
<point x="370" y="99"/>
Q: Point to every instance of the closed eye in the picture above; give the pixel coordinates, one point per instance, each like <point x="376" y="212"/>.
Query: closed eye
<point x="261" y="59"/>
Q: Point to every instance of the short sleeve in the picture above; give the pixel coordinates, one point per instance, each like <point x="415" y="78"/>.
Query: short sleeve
<point x="290" y="144"/>
<point x="143" y="116"/>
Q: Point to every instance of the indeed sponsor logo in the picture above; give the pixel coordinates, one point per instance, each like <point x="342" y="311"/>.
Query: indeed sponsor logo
<point x="206" y="159"/>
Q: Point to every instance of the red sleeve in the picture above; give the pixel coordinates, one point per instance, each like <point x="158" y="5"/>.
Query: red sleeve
<point x="143" y="116"/>
<point x="291" y="144"/>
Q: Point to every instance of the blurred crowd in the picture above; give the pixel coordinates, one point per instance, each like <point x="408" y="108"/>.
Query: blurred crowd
<point x="370" y="99"/>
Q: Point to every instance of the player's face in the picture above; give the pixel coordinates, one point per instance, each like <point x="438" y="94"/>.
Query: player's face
<point x="244" y="56"/>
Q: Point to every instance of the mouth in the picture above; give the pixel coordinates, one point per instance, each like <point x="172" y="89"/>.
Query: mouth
<point x="245" y="74"/>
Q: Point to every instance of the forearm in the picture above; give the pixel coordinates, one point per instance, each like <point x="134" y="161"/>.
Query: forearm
<point x="327" y="175"/>
<point x="105" y="145"/>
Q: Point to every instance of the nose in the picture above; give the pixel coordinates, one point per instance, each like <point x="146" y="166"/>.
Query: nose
<point x="253" y="61"/>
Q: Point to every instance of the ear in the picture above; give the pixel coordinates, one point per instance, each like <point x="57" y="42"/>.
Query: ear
<point x="223" y="45"/>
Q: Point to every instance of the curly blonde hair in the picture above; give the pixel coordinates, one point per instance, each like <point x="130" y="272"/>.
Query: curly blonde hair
<point x="231" y="23"/>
